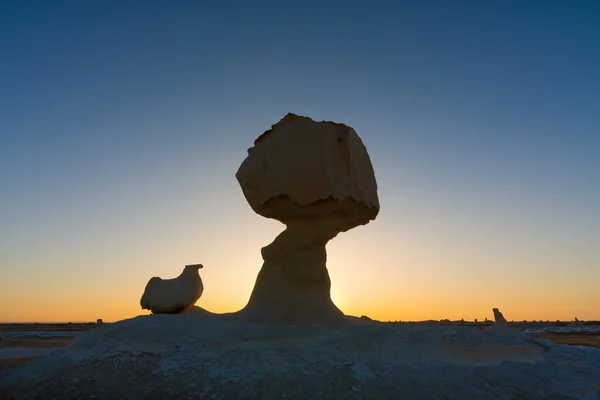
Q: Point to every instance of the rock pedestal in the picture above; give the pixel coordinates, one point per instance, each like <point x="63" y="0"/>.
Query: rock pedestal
<point x="317" y="179"/>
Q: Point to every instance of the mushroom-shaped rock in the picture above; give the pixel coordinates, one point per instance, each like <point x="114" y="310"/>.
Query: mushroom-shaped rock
<point x="170" y="296"/>
<point x="317" y="179"/>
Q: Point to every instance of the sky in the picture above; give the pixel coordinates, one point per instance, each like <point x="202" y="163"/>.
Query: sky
<point x="122" y="125"/>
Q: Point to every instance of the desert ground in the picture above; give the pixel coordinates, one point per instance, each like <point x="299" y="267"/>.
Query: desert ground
<point x="55" y="342"/>
<point x="34" y="338"/>
<point x="210" y="356"/>
<point x="573" y="338"/>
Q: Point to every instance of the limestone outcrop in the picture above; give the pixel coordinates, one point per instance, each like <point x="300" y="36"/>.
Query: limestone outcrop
<point x="499" y="321"/>
<point x="170" y="296"/>
<point x="499" y="318"/>
<point x="576" y="323"/>
<point x="317" y="179"/>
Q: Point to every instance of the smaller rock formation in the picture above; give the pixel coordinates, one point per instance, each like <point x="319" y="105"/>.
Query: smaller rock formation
<point x="99" y="322"/>
<point x="499" y="318"/>
<point x="575" y="324"/>
<point x="170" y="296"/>
<point x="500" y="323"/>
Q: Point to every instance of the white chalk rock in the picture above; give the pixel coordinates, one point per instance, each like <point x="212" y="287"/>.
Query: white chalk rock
<point x="301" y="168"/>
<point x="170" y="296"/>
<point x="576" y="324"/>
<point x="500" y="322"/>
<point x="316" y="178"/>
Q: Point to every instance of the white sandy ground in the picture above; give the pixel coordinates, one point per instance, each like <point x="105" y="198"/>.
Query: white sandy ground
<point x="565" y="329"/>
<point x="19" y="352"/>
<point x="40" y="334"/>
<point x="204" y="356"/>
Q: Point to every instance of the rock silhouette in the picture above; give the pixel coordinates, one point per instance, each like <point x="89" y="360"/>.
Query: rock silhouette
<point x="317" y="179"/>
<point x="169" y="296"/>
<point x="500" y="323"/>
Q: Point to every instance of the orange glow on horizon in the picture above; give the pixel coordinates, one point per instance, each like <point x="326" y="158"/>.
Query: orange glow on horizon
<point x="384" y="276"/>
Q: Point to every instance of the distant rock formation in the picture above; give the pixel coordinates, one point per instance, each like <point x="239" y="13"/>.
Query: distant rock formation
<point x="99" y="322"/>
<point x="317" y="179"/>
<point x="576" y="324"/>
<point x="170" y="296"/>
<point x="500" y="323"/>
<point x="498" y="317"/>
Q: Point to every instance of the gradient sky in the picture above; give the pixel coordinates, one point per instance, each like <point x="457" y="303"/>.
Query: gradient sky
<point x="122" y="124"/>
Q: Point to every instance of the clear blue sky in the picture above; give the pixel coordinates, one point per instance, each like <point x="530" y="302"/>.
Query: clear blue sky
<point x="122" y="124"/>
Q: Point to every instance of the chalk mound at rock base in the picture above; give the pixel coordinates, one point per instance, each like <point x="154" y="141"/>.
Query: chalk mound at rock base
<point x="200" y="355"/>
